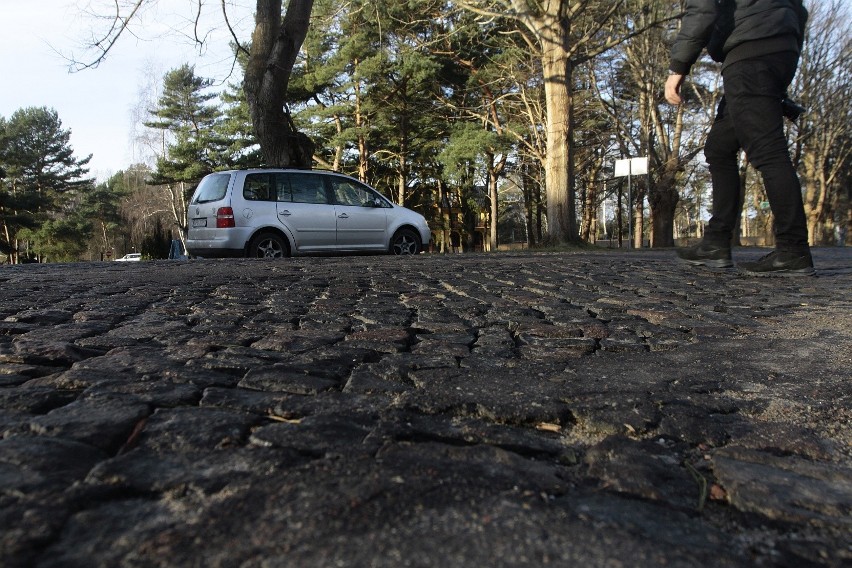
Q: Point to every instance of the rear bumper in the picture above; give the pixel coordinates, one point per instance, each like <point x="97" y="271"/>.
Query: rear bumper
<point x="215" y="252"/>
<point x="218" y="243"/>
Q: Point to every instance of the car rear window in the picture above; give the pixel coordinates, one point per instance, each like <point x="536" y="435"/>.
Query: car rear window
<point x="212" y="188"/>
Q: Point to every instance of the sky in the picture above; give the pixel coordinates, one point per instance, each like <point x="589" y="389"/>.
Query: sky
<point x="97" y="105"/>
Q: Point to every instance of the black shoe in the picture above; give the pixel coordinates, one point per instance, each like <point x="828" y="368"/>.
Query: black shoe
<point x="781" y="263"/>
<point x="706" y="254"/>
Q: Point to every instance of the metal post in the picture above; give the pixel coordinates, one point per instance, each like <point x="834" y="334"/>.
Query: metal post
<point x="629" y="207"/>
<point x="625" y="168"/>
<point x="620" y="217"/>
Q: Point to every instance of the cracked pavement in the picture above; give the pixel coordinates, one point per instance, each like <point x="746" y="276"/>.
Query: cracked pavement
<point x="597" y="408"/>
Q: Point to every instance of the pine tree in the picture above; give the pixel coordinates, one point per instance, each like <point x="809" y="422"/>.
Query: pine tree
<point x="42" y="176"/>
<point x="101" y="209"/>
<point x="241" y="149"/>
<point x="195" y="147"/>
<point x="186" y="118"/>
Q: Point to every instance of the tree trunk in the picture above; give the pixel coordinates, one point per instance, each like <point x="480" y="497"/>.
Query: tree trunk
<point x="556" y="66"/>
<point x="363" y="150"/>
<point x="737" y="236"/>
<point x="13" y="256"/>
<point x="663" y="200"/>
<point x="493" y="178"/>
<point x="275" y="45"/>
<point x="402" y="176"/>
<point x="815" y="202"/>
<point x="638" y="218"/>
<point x="663" y="195"/>
<point x="400" y="184"/>
<point x="177" y="202"/>
<point x="663" y="213"/>
<point x="530" y="203"/>
<point x="588" y="226"/>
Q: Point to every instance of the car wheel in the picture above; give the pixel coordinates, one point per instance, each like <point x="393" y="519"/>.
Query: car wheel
<point x="405" y="241"/>
<point x="268" y="245"/>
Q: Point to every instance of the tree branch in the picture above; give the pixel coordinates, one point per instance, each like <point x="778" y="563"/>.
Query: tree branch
<point x="239" y="46"/>
<point x="119" y="26"/>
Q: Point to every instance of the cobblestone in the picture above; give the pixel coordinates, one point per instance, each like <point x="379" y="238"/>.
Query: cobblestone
<point x="593" y="408"/>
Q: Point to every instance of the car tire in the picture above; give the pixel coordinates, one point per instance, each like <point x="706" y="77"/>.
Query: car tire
<point x="268" y="245"/>
<point x="405" y="241"/>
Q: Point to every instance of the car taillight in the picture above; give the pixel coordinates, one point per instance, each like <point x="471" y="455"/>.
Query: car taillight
<point x="225" y="218"/>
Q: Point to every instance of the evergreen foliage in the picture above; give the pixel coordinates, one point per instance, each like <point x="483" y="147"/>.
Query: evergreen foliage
<point x="42" y="183"/>
<point x="184" y="113"/>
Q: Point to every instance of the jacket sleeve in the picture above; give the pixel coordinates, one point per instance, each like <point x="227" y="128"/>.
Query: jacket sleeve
<point x="696" y="28"/>
<point x="803" y="22"/>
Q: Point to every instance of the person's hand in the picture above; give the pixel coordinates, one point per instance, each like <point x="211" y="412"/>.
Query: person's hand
<point x="673" y="84"/>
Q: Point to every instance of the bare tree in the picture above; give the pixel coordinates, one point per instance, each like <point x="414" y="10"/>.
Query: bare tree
<point x="670" y="137"/>
<point x="548" y="28"/>
<point x="564" y="34"/>
<point x="823" y="146"/>
<point x="275" y="44"/>
<point x="147" y="143"/>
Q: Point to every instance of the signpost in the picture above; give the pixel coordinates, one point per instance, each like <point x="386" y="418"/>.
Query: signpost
<point x="630" y="167"/>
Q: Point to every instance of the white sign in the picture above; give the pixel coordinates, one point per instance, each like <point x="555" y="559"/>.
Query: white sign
<point x="631" y="166"/>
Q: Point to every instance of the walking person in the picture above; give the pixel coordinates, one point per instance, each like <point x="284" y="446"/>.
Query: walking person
<point x="758" y="43"/>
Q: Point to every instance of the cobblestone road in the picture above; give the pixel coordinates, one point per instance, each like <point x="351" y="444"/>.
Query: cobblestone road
<point x="512" y="409"/>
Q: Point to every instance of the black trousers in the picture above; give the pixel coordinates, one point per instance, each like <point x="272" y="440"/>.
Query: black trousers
<point x="750" y="117"/>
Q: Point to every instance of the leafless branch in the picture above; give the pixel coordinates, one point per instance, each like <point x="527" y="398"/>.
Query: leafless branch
<point x="105" y="44"/>
<point x="239" y="46"/>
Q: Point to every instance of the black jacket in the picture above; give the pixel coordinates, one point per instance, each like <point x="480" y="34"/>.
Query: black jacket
<point x="733" y="30"/>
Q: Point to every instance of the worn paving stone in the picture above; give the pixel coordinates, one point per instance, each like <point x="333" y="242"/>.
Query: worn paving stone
<point x="39" y="464"/>
<point x="516" y="409"/>
<point x="784" y="487"/>
<point x="34" y="399"/>
<point x="648" y="469"/>
<point x="204" y="473"/>
<point x="103" y="422"/>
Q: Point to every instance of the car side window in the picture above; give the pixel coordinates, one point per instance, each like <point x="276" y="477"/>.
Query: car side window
<point x="347" y="193"/>
<point x="258" y="187"/>
<point x="282" y="186"/>
<point x="308" y="188"/>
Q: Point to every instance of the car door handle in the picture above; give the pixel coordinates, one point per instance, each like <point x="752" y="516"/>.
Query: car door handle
<point x="284" y="213"/>
<point x="343" y="216"/>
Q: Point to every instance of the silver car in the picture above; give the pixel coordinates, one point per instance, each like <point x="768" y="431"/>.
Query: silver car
<point x="276" y="213"/>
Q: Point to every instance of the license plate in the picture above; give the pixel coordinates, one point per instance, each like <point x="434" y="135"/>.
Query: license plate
<point x="199" y="222"/>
